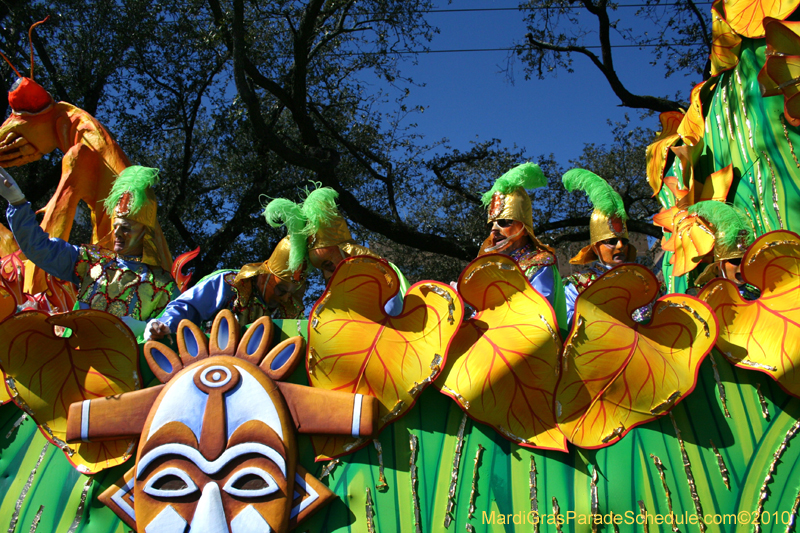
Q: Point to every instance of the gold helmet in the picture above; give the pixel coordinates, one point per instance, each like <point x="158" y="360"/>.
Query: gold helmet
<point x="732" y="234"/>
<point x="277" y="265"/>
<point x="608" y="218"/>
<point x="507" y="199"/>
<point x="132" y="197"/>
<point x="326" y="227"/>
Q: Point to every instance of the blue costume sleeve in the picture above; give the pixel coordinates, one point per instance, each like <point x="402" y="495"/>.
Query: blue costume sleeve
<point x="543" y="281"/>
<point x="571" y="293"/>
<point x="199" y="303"/>
<point x="54" y="256"/>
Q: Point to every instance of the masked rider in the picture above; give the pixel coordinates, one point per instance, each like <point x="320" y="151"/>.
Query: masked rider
<point x="510" y="221"/>
<point x="127" y="273"/>
<point x="273" y="288"/>
<point x="327" y="241"/>
<point x="608" y="246"/>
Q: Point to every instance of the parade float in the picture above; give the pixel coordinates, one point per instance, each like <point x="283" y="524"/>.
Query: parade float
<point x="468" y="410"/>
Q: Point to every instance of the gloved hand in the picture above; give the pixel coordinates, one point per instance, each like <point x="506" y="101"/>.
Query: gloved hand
<point x="156" y="330"/>
<point x="9" y="188"/>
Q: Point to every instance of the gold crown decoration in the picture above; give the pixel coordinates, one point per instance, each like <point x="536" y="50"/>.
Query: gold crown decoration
<point x="507" y="199"/>
<point x="608" y="217"/>
<point x="326" y="227"/>
<point x="132" y="197"/>
<point x="277" y="265"/>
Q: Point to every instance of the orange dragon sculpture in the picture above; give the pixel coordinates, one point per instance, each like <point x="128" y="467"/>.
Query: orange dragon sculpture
<point x="92" y="160"/>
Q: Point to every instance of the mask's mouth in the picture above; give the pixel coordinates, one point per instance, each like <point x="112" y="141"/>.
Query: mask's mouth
<point x="504" y="243"/>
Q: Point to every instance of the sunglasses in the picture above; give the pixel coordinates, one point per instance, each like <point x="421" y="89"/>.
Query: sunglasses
<point x="612" y="243"/>
<point x="504" y="222"/>
<point x="737" y="261"/>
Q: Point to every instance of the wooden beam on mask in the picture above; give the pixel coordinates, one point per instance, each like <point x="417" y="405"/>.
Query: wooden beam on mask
<point x="326" y="412"/>
<point x="112" y="417"/>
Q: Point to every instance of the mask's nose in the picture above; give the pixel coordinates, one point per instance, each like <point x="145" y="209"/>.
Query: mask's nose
<point x="209" y="515"/>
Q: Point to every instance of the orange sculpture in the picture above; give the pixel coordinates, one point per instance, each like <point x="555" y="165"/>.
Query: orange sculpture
<point x="92" y="159"/>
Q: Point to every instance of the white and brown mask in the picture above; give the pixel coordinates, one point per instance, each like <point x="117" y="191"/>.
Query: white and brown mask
<point x="217" y="451"/>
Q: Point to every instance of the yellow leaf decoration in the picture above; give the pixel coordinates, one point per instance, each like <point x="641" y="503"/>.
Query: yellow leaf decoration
<point x="691" y="241"/>
<point x="658" y="151"/>
<point x="725" y="44"/>
<point x="49" y="372"/>
<point x="502" y="367"/>
<point x="782" y="66"/>
<point x="8" y="303"/>
<point x="763" y="334"/>
<point x="354" y="346"/>
<point x="692" y="126"/>
<point x="747" y="17"/>
<point x="618" y="374"/>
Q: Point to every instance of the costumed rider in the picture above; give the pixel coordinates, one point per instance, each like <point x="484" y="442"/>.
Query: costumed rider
<point x="127" y="273"/>
<point x="273" y="288"/>
<point x="510" y="218"/>
<point x="327" y="240"/>
<point x="608" y="237"/>
<point x="733" y="234"/>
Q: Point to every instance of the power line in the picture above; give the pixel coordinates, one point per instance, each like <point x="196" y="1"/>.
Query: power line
<point x="508" y="49"/>
<point x="542" y="8"/>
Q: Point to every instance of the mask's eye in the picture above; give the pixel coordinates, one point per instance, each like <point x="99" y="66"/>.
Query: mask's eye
<point x="250" y="482"/>
<point x="170" y="483"/>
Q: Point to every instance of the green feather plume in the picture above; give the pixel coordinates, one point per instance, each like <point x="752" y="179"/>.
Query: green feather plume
<point x="319" y="209"/>
<point x="526" y="175"/>
<point x="727" y="220"/>
<point x="136" y="180"/>
<point x="603" y="197"/>
<point x="282" y="212"/>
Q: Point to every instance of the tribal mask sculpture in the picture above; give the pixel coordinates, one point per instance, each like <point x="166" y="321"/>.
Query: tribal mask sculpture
<point x="217" y="451"/>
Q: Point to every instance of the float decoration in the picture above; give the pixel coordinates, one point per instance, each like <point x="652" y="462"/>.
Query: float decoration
<point x="218" y="446"/>
<point x="617" y="374"/>
<point x="658" y="152"/>
<point x="782" y="66"/>
<point x="181" y="279"/>
<point x="691" y="128"/>
<point x="763" y="334"/>
<point x="747" y="17"/>
<point x="92" y="159"/>
<point x="354" y="346"/>
<point x="45" y="373"/>
<point x="502" y="367"/>
<point x="726" y="44"/>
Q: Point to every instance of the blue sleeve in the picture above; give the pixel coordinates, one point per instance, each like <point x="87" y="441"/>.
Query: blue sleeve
<point x="544" y="282"/>
<point x="571" y="294"/>
<point x="199" y="303"/>
<point x="54" y="256"/>
<point x="395" y="306"/>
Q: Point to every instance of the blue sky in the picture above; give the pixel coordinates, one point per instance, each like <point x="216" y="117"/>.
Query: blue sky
<point x="467" y="94"/>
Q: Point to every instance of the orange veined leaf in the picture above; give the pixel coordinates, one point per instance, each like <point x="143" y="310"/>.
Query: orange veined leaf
<point x="658" y="151"/>
<point x="692" y="126"/>
<point x="8" y="306"/>
<point x="693" y="242"/>
<point x="502" y="368"/>
<point x="747" y="17"/>
<point x="49" y="373"/>
<point x="726" y="44"/>
<point x="617" y="374"/>
<point x="354" y="346"/>
<point x="763" y="334"/>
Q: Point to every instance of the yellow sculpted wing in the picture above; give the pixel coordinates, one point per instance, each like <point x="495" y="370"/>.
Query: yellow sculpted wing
<point x="502" y="366"/>
<point x="763" y="334"/>
<point x="49" y="372"/>
<point x="617" y="374"/>
<point x="354" y="346"/>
